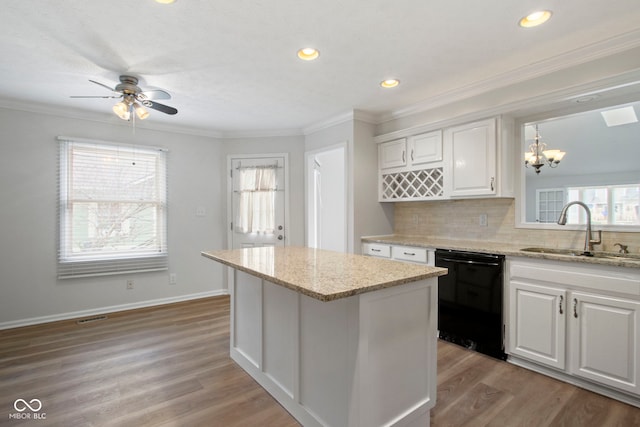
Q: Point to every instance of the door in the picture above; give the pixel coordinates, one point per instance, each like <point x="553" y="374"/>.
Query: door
<point x="258" y="201"/>
<point x="537" y="323"/>
<point x="605" y="337"/>
<point x="327" y="198"/>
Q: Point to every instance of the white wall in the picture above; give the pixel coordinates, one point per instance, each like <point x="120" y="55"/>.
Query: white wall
<point x="371" y="216"/>
<point x="29" y="288"/>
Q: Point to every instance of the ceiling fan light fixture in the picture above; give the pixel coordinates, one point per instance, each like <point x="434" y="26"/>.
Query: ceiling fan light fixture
<point x="122" y="110"/>
<point x="140" y="111"/>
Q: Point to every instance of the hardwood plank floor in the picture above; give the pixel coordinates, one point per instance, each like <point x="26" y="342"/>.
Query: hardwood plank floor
<point x="169" y="366"/>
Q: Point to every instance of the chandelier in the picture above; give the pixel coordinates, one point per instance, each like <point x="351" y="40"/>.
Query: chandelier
<point x="538" y="155"/>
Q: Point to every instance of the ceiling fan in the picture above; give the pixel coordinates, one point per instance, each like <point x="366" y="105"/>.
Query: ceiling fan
<point x="134" y="99"/>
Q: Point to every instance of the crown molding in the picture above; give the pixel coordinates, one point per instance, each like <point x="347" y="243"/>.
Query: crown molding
<point x="264" y="133"/>
<point x="327" y="123"/>
<point x="555" y="63"/>
<point x="105" y="118"/>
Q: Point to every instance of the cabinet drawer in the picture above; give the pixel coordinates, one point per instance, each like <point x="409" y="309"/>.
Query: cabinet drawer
<point x="376" y="249"/>
<point x="408" y="253"/>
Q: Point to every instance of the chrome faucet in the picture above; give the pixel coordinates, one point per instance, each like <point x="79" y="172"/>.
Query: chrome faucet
<point x="623" y="248"/>
<point x="588" y="240"/>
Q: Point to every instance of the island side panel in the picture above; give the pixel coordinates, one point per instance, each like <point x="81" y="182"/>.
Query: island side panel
<point x="366" y="360"/>
<point x="398" y="354"/>
<point x="280" y="336"/>
<point x="246" y="315"/>
<point x="328" y="339"/>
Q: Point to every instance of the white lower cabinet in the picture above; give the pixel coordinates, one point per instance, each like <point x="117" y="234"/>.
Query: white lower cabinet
<point x="577" y="320"/>
<point x="605" y="334"/>
<point x="537" y="323"/>
<point x="400" y="253"/>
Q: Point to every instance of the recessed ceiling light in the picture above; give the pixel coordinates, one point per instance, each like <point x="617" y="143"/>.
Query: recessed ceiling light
<point x="308" y="53"/>
<point x="619" y="116"/>
<point x="389" y="83"/>
<point x="165" y="1"/>
<point x="536" y="18"/>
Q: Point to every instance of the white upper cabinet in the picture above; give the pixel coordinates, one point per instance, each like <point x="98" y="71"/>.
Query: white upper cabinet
<point x="470" y="152"/>
<point x="472" y="160"/>
<point x="425" y="148"/>
<point x="411" y="168"/>
<point x="392" y="154"/>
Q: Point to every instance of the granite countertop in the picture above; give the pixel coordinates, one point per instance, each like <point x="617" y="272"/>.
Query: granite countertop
<point x="508" y="249"/>
<point x="320" y="274"/>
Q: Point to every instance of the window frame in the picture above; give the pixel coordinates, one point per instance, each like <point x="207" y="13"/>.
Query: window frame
<point x="117" y="261"/>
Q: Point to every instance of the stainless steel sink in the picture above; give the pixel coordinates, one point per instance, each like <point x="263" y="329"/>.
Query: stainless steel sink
<point x="571" y="252"/>
<point x="575" y="252"/>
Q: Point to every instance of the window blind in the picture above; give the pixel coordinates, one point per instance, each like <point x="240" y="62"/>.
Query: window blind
<point x="112" y="211"/>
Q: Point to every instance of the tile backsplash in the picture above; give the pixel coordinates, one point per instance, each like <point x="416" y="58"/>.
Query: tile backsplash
<point x="460" y="219"/>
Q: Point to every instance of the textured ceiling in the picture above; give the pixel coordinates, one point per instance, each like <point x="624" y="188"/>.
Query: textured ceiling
<point x="231" y="66"/>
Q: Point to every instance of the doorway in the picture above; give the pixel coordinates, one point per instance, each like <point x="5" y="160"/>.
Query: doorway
<point x="326" y="201"/>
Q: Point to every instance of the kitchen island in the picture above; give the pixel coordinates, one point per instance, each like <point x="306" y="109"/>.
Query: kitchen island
<point x="338" y="339"/>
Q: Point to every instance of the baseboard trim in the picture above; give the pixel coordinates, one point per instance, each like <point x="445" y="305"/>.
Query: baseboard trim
<point x="110" y="309"/>
<point x="576" y="381"/>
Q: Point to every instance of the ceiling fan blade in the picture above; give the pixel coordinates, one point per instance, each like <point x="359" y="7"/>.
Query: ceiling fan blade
<point x="103" y="85"/>
<point x="105" y="96"/>
<point x="155" y="94"/>
<point x="160" y="107"/>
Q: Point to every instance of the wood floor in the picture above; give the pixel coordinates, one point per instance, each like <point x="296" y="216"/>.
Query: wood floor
<point x="169" y="366"/>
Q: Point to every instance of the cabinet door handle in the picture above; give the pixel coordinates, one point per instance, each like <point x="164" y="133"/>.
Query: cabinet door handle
<point x="492" y="183"/>
<point x="412" y="154"/>
<point x="403" y="156"/>
<point x="575" y="308"/>
<point x="375" y="250"/>
<point x="410" y="253"/>
<point x="560" y="304"/>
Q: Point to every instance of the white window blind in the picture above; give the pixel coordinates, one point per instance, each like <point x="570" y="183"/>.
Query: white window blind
<point x="112" y="209"/>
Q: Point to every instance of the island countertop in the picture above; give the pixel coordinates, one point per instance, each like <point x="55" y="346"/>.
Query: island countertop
<point x="321" y="274"/>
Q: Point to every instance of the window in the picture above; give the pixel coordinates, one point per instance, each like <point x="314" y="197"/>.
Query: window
<point x="256" y="212"/>
<point x="112" y="209"/>
<point x="613" y="204"/>
<point x="549" y="203"/>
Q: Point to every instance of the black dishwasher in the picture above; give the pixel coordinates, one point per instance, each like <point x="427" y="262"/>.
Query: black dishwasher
<point x="470" y="301"/>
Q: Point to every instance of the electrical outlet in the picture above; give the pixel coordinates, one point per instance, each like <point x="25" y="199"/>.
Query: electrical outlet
<point x="129" y="284"/>
<point x="483" y="220"/>
<point x="173" y="280"/>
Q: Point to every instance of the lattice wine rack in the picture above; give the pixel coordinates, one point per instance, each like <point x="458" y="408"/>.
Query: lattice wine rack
<point x="419" y="184"/>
